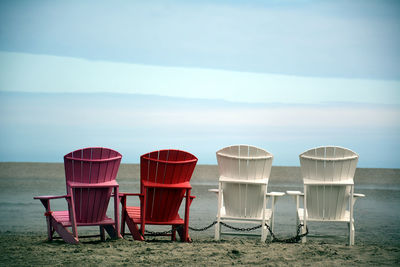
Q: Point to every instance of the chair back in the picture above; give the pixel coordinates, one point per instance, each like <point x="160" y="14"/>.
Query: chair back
<point x="328" y="174"/>
<point x="248" y="164"/>
<point x="91" y="165"/>
<point x="165" y="167"/>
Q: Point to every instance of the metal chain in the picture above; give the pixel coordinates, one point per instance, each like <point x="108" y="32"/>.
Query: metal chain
<point x="204" y="228"/>
<point x="294" y="239"/>
<point x="241" y="229"/>
<point x="158" y="233"/>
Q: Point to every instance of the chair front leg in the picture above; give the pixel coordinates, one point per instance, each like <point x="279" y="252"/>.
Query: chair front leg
<point x="186" y="222"/>
<point x="72" y="215"/>
<point x="116" y="212"/>
<point x="50" y="231"/>
<point x="123" y="211"/>
<point x="218" y="224"/>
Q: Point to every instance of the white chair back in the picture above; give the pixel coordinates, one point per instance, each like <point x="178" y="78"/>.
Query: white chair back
<point x="328" y="174"/>
<point x="244" y="163"/>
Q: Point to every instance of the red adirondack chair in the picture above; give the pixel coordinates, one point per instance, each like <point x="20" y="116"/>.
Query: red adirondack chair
<point x="90" y="178"/>
<point x="164" y="178"/>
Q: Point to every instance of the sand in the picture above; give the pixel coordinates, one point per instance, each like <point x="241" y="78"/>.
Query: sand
<point x="33" y="250"/>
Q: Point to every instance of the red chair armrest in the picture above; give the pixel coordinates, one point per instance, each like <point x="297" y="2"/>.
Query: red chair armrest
<point x="185" y="185"/>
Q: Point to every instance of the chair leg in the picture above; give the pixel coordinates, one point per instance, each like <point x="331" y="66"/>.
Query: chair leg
<point x="303" y="230"/>
<point x="217" y="231"/>
<point x="351" y="233"/>
<point x="66" y="235"/>
<point x="50" y="229"/>
<point x="123" y="224"/>
<point x="134" y="229"/>
<point x="111" y="230"/>
<point x="102" y="233"/>
<point x="173" y="233"/>
<point x="263" y="233"/>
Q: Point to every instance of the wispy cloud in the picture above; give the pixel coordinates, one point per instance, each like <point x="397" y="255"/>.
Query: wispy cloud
<point x="43" y="73"/>
<point x="351" y="39"/>
<point x="41" y="127"/>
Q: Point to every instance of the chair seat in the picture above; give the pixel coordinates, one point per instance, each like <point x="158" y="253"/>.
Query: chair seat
<point x="268" y="214"/>
<point x="135" y="214"/>
<point x="62" y="217"/>
<point x="345" y="218"/>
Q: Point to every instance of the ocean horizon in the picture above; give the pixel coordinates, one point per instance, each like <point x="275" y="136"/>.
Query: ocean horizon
<point x="202" y="173"/>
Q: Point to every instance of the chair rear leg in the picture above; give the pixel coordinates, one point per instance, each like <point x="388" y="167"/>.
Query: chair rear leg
<point x="173" y="233"/>
<point x="134" y="229"/>
<point x="66" y="235"/>
<point x="111" y="230"/>
<point x="102" y="233"/>
<point x="183" y="233"/>
<point x="50" y="229"/>
<point x="351" y="233"/>
<point x="303" y="231"/>
<point x="217" y="231"/>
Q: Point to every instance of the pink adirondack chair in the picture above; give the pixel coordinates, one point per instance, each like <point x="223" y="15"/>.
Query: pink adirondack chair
<point x="90" y="178"/>
<point x="164" y="177"/>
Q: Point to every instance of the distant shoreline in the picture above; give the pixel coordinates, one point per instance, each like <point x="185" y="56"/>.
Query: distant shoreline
<point x="202" y="173"/>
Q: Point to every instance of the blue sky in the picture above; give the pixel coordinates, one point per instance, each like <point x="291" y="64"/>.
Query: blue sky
<point x="283" y="75"/>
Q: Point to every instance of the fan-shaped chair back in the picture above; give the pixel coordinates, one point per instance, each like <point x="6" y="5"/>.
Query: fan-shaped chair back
<point x="91" y="165"/>
<point x="165" y="167"/>
<point x="328" y="174"/>
<point x="251" y="165"/>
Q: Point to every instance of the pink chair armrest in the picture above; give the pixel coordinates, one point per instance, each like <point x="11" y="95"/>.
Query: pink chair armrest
<point x="98" y="185"/>
<point x="50" y="197"/>
<point x="130" y="194"/>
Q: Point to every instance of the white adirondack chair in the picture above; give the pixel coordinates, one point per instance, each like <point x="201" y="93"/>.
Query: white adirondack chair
<point x="328" y="187"/>
<point x="242" y="193"/>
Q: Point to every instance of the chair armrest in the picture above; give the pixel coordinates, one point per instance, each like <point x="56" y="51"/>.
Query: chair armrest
<point x="184" y="185"/>
<point x="294" y="193"/>
<point x="358" y="195"/>
<point x="46" y="201"/>
<point x="213" y="191"/>
<point x="130" y="194"/>
<point x="89" y="185"/>
<point x="275" y="194"/>
<point x="50" y="197"/>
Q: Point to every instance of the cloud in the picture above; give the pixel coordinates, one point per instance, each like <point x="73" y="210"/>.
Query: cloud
<point x="42" y="73"/>
<point x="349" y="39"/>
<point x="136" y="124"/>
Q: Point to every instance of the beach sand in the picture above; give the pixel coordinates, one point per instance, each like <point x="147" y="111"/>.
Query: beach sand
<point x="23" y="231"/>
<point x="33" y="250"/>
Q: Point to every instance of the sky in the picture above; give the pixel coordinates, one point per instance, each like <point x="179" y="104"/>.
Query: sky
<point x="200" y="75"/>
